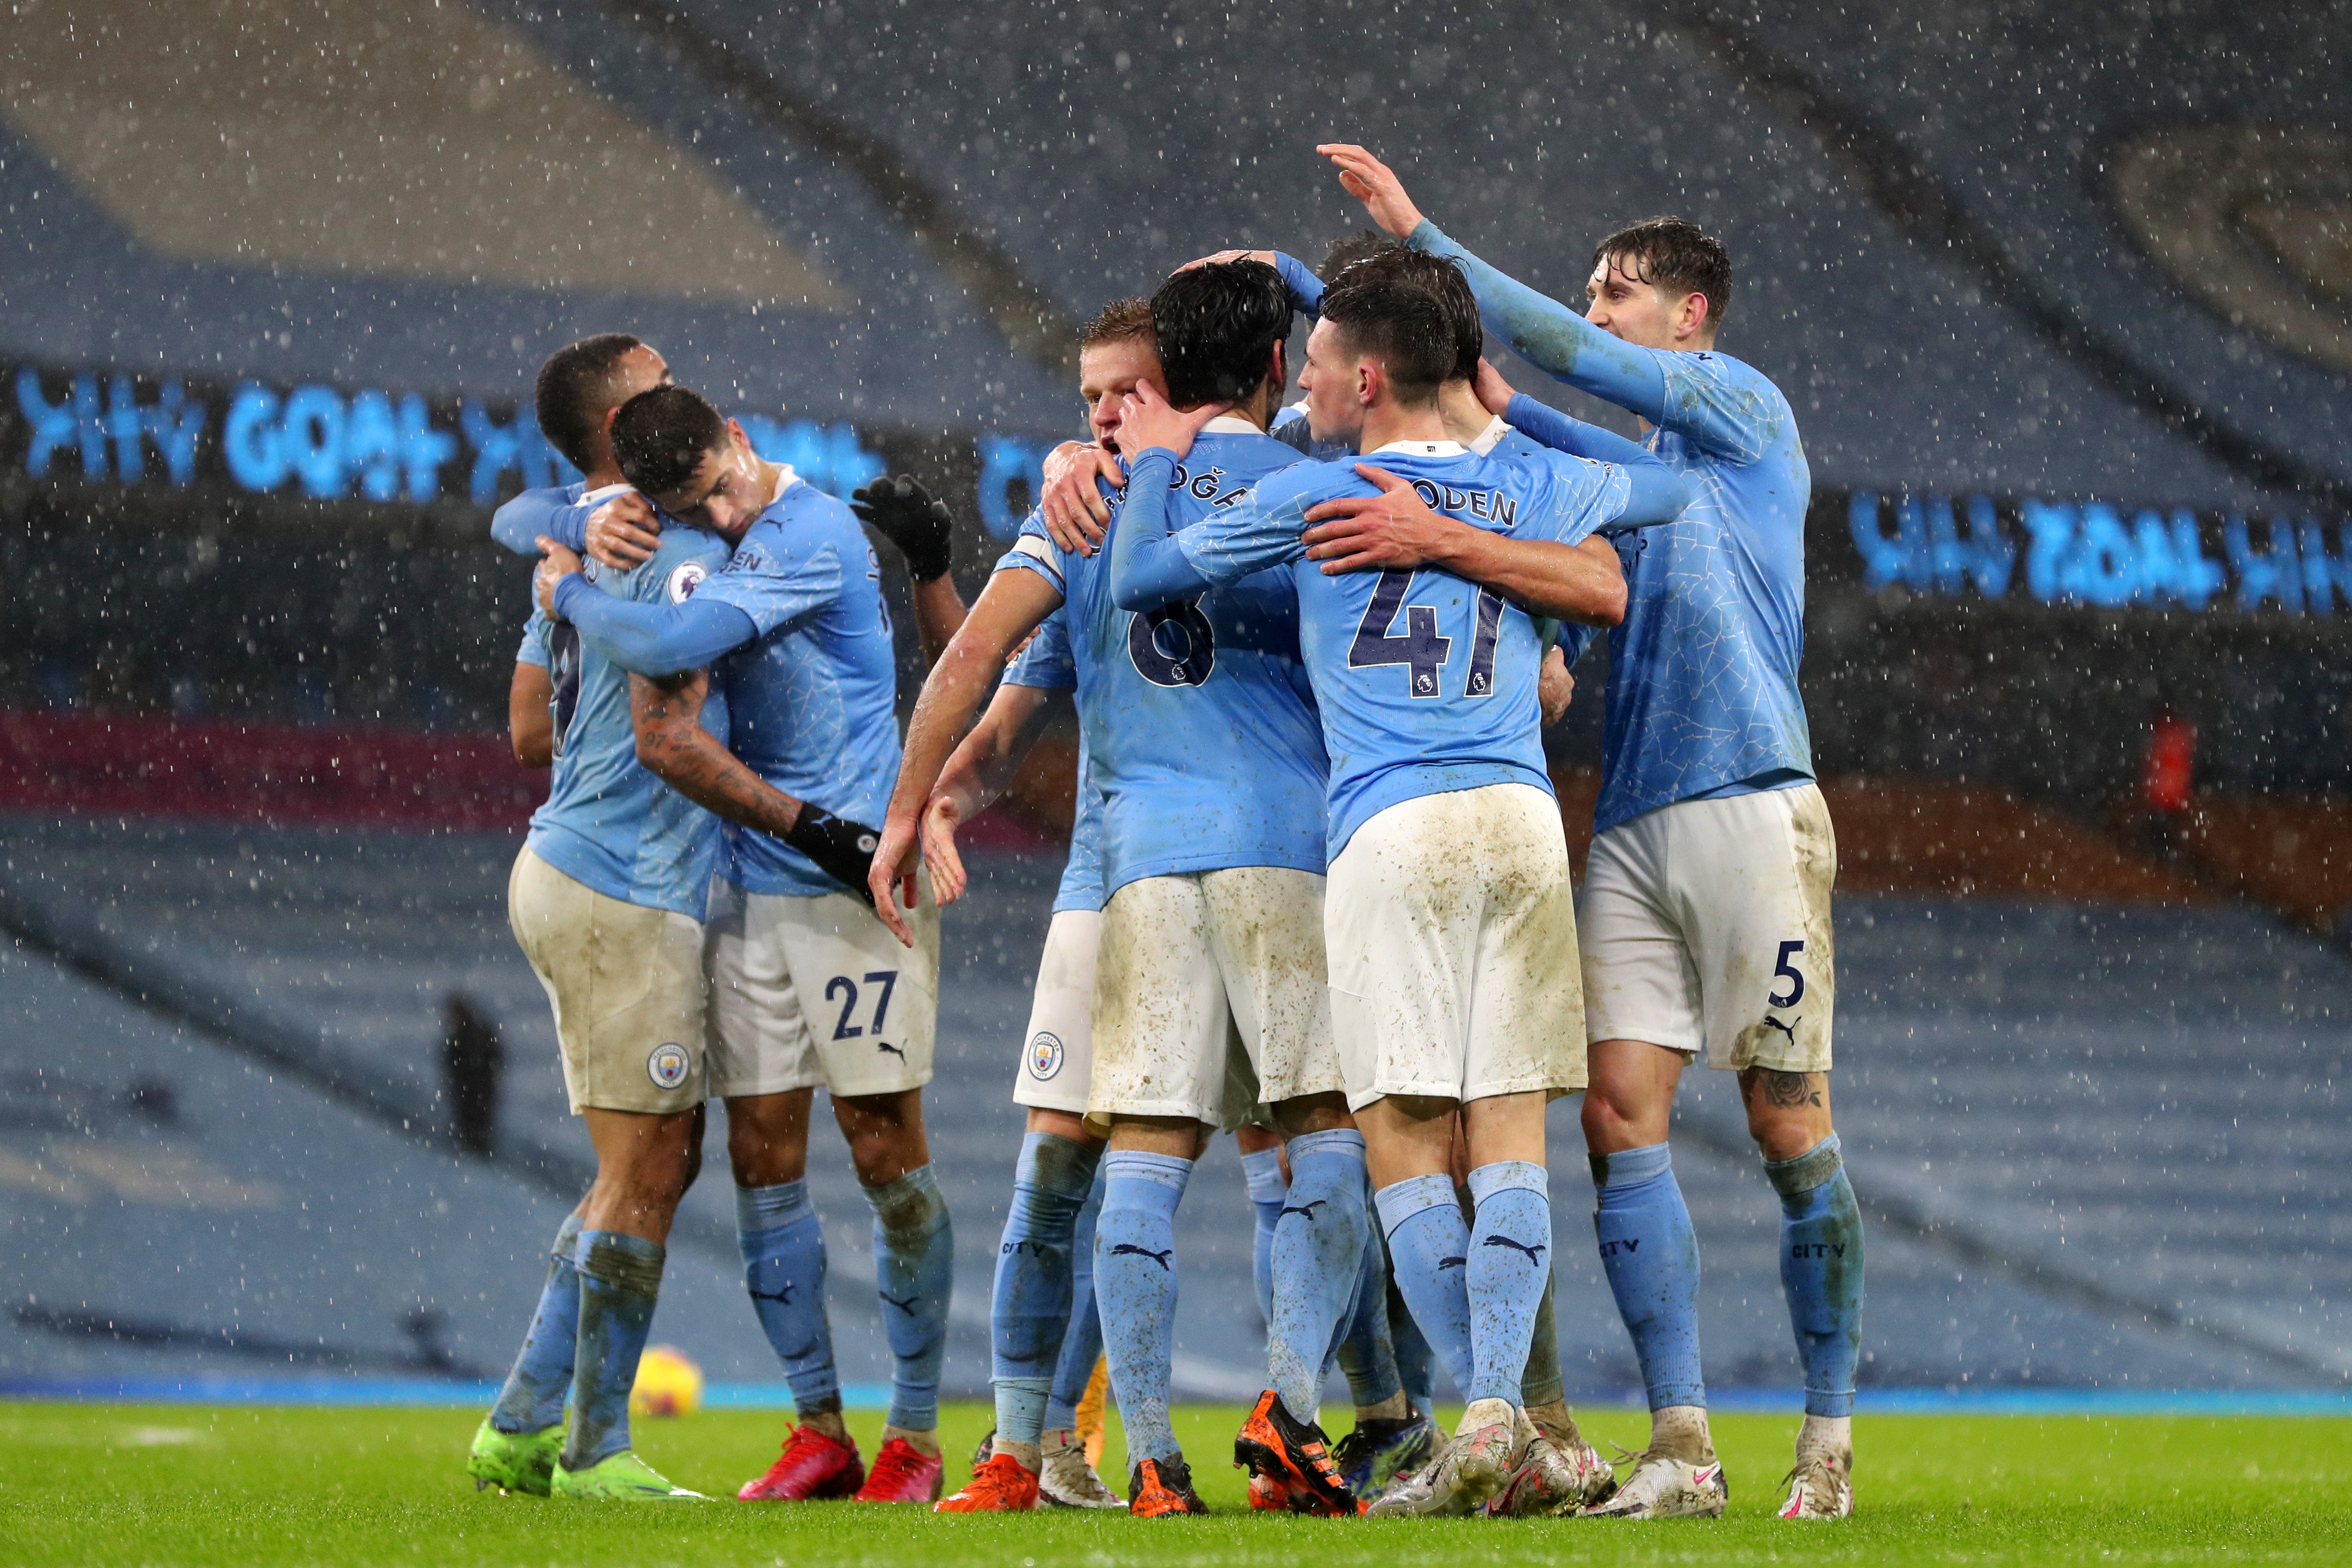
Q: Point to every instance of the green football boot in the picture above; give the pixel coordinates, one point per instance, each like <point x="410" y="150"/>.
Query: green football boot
<point x="624" y="1478"/>
<point x="514" y="1461"/>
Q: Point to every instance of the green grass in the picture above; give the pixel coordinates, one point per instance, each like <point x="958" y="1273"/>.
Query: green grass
<point x="168" y="1485"/>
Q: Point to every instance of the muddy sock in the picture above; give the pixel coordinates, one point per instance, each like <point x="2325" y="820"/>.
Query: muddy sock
<point x="541" y="1380"/>
<point x="914" y="1268"/>
<point x="782" y="1245"/>
<point x="1821" y="1271"/>
<point x="620" y="1278"/>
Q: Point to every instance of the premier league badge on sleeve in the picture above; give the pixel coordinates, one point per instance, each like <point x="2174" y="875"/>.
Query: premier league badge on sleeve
<point x="1045" y="1056"/>
<point x="668" y="1066"/>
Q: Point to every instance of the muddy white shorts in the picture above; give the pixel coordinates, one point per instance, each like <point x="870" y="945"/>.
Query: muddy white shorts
<point x="1210" y="997"/>
<point x="816" y="992"/>
<point x="1707" y="927"/>
<point x="625" y="983"/>
<point x="1058" y="1063"/>
<point x="1452" y="928"/>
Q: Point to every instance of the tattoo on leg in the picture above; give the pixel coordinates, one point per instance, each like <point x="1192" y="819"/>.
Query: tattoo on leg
<point x="1787" y="1088"/>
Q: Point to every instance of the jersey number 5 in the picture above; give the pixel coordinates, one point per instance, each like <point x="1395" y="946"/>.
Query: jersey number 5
<point x="1422" y="650"/>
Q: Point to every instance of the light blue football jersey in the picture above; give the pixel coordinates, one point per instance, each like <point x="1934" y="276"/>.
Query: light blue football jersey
<point x="1046" y="664"/>
<point x="1703" y="694"/>
<point x="1426" y="682"/>
<point x="607" y="823"/>
<point x="812" y="701"/>
<point x="1200" y="724"/>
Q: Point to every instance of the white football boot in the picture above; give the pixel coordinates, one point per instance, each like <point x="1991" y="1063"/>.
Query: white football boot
<point x="1064" y="1480"/>
<point x="1663" y="1488"/>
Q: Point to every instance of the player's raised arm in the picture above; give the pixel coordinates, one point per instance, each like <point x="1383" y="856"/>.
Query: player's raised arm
<point x="1150" y="566"/>
<point x="902" y="511"/>
<point x="1008" y="610"/>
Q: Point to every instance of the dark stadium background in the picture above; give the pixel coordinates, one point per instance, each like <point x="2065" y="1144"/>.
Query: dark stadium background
<point x="2069" y="334"/>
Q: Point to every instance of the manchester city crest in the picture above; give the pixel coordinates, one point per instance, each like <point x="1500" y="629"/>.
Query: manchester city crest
<point x="1045" y="1056"/>
<point x="668" y="1064"/>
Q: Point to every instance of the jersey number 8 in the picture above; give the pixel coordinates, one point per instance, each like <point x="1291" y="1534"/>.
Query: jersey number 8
<point x="1173" y="645"/>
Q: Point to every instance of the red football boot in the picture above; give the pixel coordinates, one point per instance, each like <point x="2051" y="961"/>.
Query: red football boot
<point x="902" y="1473"/>
<point x="998" y="1486"/>
<point x="1293" y="1453"/>
<point x="812" y="1466"/>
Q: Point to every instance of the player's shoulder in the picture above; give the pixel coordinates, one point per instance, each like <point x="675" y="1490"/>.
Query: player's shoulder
<point x="1726" y="375"/>
<point x="686" y="557"/>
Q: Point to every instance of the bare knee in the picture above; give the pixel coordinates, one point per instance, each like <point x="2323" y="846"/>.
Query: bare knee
<point x="884" y="1133"/>
<point x="766" y="1138"/>
<point x="1788" y="1112"/>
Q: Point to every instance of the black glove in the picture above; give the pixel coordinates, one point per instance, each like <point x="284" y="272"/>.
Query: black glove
<point x="842" y="849"/>
<point x="905" y="513"/>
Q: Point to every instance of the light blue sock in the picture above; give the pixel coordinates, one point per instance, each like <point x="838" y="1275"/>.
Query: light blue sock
<point x="1416" y="1363"/>
<point x="620" y="1278"/>
<point x="1367" y="1351"/>
<point x="1319" y="1255"/>
<point x="1651" y="1254"/>
<point x="532" y="1399"/>
<point x="914" y="1265"/>
<point x="1263" y="1172"/>
<point x="1821" y="1271"/>
<point x="1510" y="1261"/>
<point x="1082" y="1342"/>
<point x="783" y="1243"/>
<point x="1029" y="1311"/>
<point x="1135" y="1291"/>
<point x="1429" y="1246"/>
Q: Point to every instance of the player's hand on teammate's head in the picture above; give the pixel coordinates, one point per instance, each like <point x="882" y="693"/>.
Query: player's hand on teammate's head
<point x="1375" y="184"/>
<point x="625" y="532"/>
<point x="902" y="511"/>
<point x="1147" y="420"/>
<point x="1555" y="686"/>
<point x="942" y="816"/>
<point x="1494" y="394"/>
<point x="1394" y="531"/>
<point x="1073" y="507"/>
<point x="555" y="563"/>
<point x="891" y="871"/>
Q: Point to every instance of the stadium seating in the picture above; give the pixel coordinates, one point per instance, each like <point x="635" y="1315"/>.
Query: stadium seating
<point x="2023" y="1087"/>
<point x="1093" y="149"/>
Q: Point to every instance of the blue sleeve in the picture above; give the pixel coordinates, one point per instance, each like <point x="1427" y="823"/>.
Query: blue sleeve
<point x="651" y="638"/>
<point x="1555" y="338"/>
<point x="1150" y="566"/>
<point x="1657" y="494"/>
<point x="1574" y="639"/>
<point x="1306" y="288"/>
<point x="1540" y="422"/>
<point x="1147" y="570"/>
<point x="534" y="641"/>
<point x="550" y="512"/>
<point x="770" y="582"/>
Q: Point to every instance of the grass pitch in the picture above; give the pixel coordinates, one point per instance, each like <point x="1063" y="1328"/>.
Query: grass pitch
<point x="172" y="1485"/>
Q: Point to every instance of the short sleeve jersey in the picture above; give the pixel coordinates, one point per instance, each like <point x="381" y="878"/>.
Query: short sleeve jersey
<point x="1703" y="694"/>
<point x="812" y="701"/>
<point x="1426" y="682"/>
<point x="1199" y="724"/>
<point x="607" y="823"/>
<point x="1046" y="664"/>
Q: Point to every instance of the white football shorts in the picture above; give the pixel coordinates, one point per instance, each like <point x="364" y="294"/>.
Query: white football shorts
<point x="625" y="983"/>
<point x="1058" y="1064"/>
<point x="1451" y="927"/>
<point x="1706" y="927"/>
<point x="816" y="992"/>
<point x="1210" y="997"/>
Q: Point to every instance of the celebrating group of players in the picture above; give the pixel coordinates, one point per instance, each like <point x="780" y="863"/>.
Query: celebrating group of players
<point x="1317" y="892"/>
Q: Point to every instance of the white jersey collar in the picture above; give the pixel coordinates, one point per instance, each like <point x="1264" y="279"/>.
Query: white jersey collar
<point x="1230" y="425"/>
<point x="1422" y="449"/>
<point x="1496" y="428"/>
<point x="785" y="480"/>
<point x="605" y="493"/>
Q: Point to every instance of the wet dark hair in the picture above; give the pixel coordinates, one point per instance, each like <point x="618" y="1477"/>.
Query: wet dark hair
<point x="1217" y="327"/>
<point x="1675" y="256"/>
<point x="661" y="437"/>
<point x="1117" y="322"/>
<point x="1442" y="278"/>
<point x="1351" y="248"/>
<point x="575" y="391"/>
<point x="1400" y="324"/>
